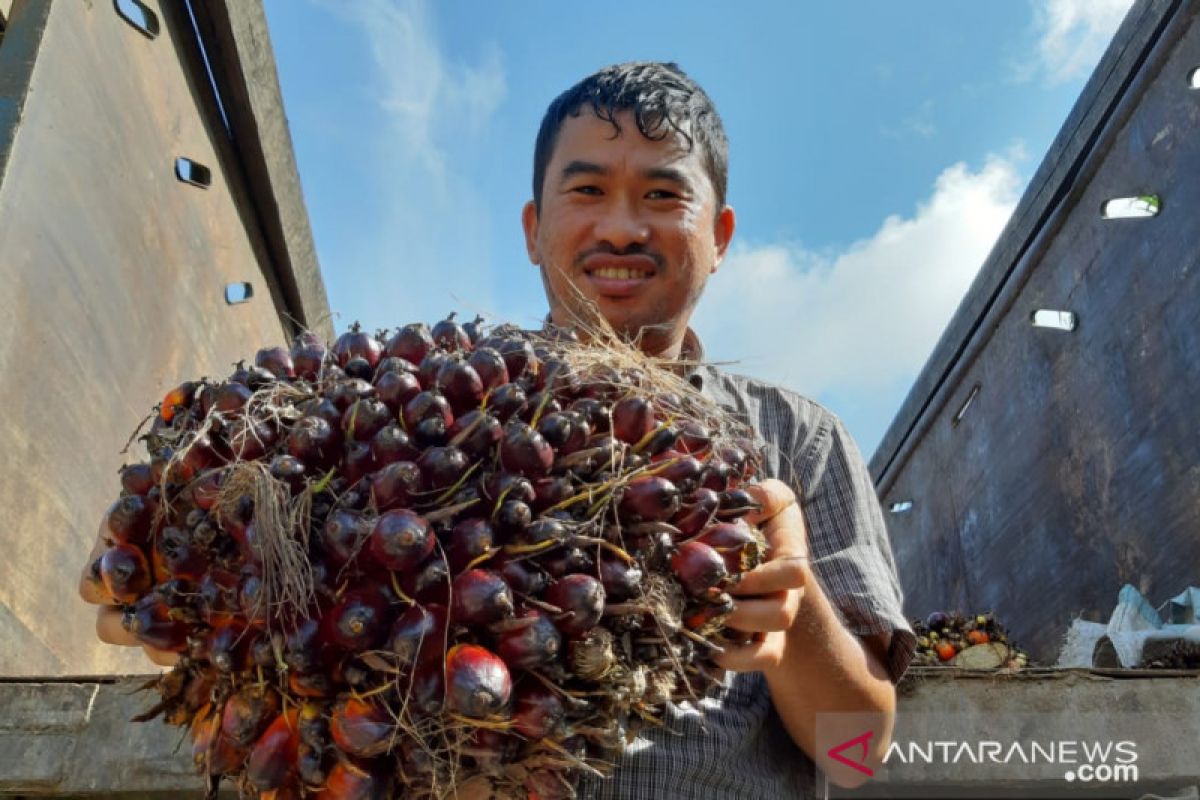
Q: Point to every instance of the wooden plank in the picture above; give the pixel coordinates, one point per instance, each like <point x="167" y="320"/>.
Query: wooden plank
<point x="114" y="272"/>
<point x="238" y="45"/>
<point x="1073" y="469"/>
<point x="1054" y="178"/>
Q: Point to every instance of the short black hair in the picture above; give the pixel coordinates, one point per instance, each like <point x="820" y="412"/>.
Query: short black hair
<point x="663" y="100"/>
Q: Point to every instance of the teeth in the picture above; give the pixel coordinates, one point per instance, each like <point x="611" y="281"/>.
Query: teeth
<point x="617" y="273"/>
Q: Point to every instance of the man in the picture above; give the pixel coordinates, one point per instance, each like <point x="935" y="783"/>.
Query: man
<point x="629" y="214"/>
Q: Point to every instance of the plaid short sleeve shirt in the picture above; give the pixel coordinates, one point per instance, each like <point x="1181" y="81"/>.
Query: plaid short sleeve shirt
<point x="738" y="747"/>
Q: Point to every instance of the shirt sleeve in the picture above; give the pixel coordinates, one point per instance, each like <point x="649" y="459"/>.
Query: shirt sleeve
<point x="851" y="553"/>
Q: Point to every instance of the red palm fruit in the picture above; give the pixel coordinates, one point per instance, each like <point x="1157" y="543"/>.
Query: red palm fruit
<point x="594" y="413"/>
<point x="692" y="438"/>
<point x="737" y="503"/>
<point x="358" y="621"/>
<point x="357" y="343"/>
<point x="650" y="498"/>
<point x="364" y="418"/>
<point x="401" y="540"/>
<point x="581" y="598"/>
<point x="303" y="647"/>
<point x="348" y="781"/>
<point x="357" y="462"/>
<point x="394" y="364"/>
<point x="342" y="535"/>
<point x="525" y="451"/>
<point x="550" y="490"/>
<point x="512" y="518"/>
<point x="632" y="419"/>
<point x="245" y="536"/>
<point x="359" y="367"/>
<point x="250" y="439"/>
<point x="544" y="529"/>
<point x="315" y="442"/>
<point x="490" y="366"/>
<point x="228" y="646"/>
<point x="419" y="635"/>
<point x="412" y="343"/>
<point x="427" y="370"/>
<point x="397" y="388"/>
<point x="427" y="405"/>
<point x="125" y="572"/>
<point x="231" y="396"/>
<point x="698" y="568"/>
<point x="248" y="712"/>
<point x="522" y="575"/>
<point x="476" y="432"/>
<point x="539" y="405"/>
<point x="737" y="544"/>
<point x="277" y="361"/>
<point x="153" y="623"/>
<point x="450" y="335"/>
<point x="392" y="444"/>
<point x="480" y="597"/>
<point x="178" y="556"/>
<point x="442" y="467"/>
<point x="506" y="401"/>
<point x="346" y="392"/>
<point x="566" y="560"/>
<point x="474" y="330"/>
<point x="310" y="684"/>
<point x="518" y="356"/>
<point x="178" y="399"/>
<point x="310" y="765"/>
<point x="427" y="688"/>
<point x="308" y="355"/>
<point x="218" y="595"/>
<point x="478" y="684"/>
<point x="469" y="539"/>
<point x="697" y="512"/>
<point x="252" y="599"/>
<point x="501" y="486"/>
<point x="460" y="384"/>
<point x="361" y="728"/>
<point x="129" y="520"/>
<point x="708" y="612"/>
<point x="682" y="470"/>
<point x="289" y="470"/>
<point x="430" y="583"/>
<point x="556" y="428"/>
<point x="137" y="478"/>
<point x="717" y="475"/>
<point x="324" y="408"/>
<point x="529" y="640"/>
<point x="395" y="485"/>
<point x="661" y="440"/>
<point x="621" y="580"/>
<point x="538" y="712"/>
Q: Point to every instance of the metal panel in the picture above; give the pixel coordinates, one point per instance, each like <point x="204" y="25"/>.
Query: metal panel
<point x="1074" y="468"/>
<point x="114" y="273"/>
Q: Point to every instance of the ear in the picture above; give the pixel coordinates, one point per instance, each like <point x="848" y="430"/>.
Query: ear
<point x="529" y="221"/>
<point x="723" y="234"/>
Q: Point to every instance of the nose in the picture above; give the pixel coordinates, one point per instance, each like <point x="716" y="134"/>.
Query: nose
<point x="620" y="226"/>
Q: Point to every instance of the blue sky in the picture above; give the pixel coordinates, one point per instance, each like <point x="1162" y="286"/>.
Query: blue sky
<point x="877" y="150"/>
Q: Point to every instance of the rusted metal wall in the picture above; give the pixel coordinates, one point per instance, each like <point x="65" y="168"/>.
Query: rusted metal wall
<point x="1075" y="465"/>
<point x="114" y="274"/>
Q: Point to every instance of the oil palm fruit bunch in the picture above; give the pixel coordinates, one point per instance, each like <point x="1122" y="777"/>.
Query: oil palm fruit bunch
<point x="942" y="636"/>
<point x="431" y="560"/>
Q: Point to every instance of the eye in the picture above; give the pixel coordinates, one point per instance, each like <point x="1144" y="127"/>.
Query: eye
<point x="587" y="189"/>
<point x="661" y="194"/>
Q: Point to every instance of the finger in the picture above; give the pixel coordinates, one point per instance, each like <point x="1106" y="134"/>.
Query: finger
<point x="754" y="656"/>
<point x="780" y="574"/>
<point x="773" y="496"/>
<point x="90" y="587"/>
<point x="764" y="614"/>
<point x="784" y="530"/>
<point x="110" y="629"/>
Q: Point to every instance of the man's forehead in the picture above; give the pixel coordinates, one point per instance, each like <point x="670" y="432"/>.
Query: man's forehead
<point x="587" y="131"/>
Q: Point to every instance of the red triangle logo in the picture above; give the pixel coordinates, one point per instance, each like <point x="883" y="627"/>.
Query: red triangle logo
<point x="861" y="764"/>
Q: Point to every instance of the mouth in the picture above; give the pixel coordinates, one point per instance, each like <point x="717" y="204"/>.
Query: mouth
<point x="619" y="276"/>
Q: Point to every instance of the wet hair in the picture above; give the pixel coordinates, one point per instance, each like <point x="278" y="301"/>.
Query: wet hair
<point x="663" y="99"/>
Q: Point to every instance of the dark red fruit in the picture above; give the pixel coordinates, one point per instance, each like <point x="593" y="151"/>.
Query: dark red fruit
<point x="478" y="684"/>
<point x="364" y="418"/>
<point x="501" y="486"/>
<point x="342" y="535"/>
<point x="581" y="598"/>
<point x="698" y="568"/>
<point x="178" y="399"/>
<point x="419" y="635"/>
<point x="430" y="583"/>
<point x="529" y="640"/>
<point x="397" y="388"/>
<point x="273" y="757"/>
<point x="441" y="467"/>
<point x="717" y="475"/>
<point x="469" y="539"/>
<point x="525" y="451"/>
<point x="395" y="485"/>
<point x="137" y="478"/>
<point x="621" y="580"/>
<point x="737" y="503"/>
<point x="697" y="512"/>
<point x="315" y="442"/>
<point x="348" y="781"/>
<point x="412" y="343"/>
<point x="401" y="540"/>
<point x="323" y="408"/>
<point x="489" y="366"/>
<point x="153" y="623"/>
<point x="349" y="391"/>
<point x="248" y="712"/>
<point x="523" y="576"/>
<point x="357" y="463"/>
<point x="361" y="728"/>
<point x="178" y="556"/>
<point x="682" y="470"/>
<point x="506" y="401"/>
<point x="450" y="335"/>
<point x="632" y="419"/>
<point x="427" y="405"/>
<point x="129" y="520"/>
<point x="461" y="385"/>
<point x="356" y="342"/>
<point x="649" y="498"/>
<point x="538" y="712"/>
<point x="551" y="490"/>
<point x="476" y="433"/>
<point x="227" y="646"/>
<point x="125" y="572"/>
<point x="427" y="689"/>
<point x="512" y="518"/>
<point x="736" y="543"/>
<point x="277" y="361"/>
<point x="480" y="597"/>
<point x="392" y="444"/>
<point x="692" y="438"/>
<point x="359" y="621"/>
<point x="290" y="470"/>
<point x="308" y="354"/>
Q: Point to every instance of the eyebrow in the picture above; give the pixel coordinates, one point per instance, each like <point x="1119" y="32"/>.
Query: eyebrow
<point x="655" y="173"/>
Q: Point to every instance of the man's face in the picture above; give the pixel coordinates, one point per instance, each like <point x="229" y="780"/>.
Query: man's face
<point x="629" y="224"/>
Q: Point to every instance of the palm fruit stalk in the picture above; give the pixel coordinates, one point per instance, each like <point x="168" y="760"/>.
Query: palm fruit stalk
<point x="433" y="560"/>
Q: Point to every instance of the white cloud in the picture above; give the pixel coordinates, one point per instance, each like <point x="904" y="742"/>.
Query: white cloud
<point x="860" y="323"/>
<point x="430" y="250"/>
<point x="1073" y="34"/>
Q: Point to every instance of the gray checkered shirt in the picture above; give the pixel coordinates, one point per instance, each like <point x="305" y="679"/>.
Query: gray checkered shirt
<point x="739" y="748"/>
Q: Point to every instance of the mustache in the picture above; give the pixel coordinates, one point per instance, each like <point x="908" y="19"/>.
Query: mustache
<point x="631" y="250"/>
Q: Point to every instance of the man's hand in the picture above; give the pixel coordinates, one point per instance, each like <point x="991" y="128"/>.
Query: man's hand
<point x="109" y="614"/>
<point x="768" y="597"/>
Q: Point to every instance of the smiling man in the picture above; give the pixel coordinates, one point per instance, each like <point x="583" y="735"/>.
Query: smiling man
<point x="629" y="214"/>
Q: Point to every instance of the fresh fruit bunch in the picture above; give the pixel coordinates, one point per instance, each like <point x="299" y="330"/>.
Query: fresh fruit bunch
<point x="438" y="560"/>
<point x="942" y="637"/>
